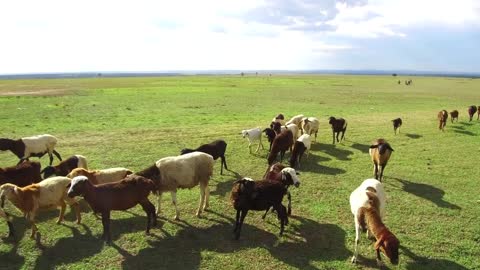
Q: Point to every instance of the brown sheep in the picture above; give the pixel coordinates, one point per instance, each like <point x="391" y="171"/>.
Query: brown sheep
<point x="380" y="151"/>
<point x="442" y="119"/>
<point x="471" y="111"/>
<point x="454" y="115"/>
<point x="281" y="143"/>
<point x="397" y="123"/>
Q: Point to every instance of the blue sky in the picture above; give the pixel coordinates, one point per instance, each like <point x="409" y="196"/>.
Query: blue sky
<point x="142" y="35"/>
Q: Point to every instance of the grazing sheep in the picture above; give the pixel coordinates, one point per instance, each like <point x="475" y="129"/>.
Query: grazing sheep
<point x="51" y="192"/>
<point x="295" y="120"/>
<point x="397" y="123"/>
<point x="186" y="171"/>
<point x="310" y="126"/>
<point x="302" y="145"/>
<point x="281" y="173"/>
<point x="35" y="146"/>
<point x="259" y="196"/>
<point x="23" y="174"/>
<point x="65" y="167"/>
<point x="380" y="151"/>
<point x="471" y="111"/>
<point x="454" y="115"/>
<point x="120" y="195"/>
<point x="216" y="149"/>
<point x="367" y="203"/>
<point x="279" y="119"/>
<point x="281" y="143"/>
<point x="101" y="176"/>
<point x="253" y="135"/>
<point x="270" y="133"/>
<point x="338" y="125"/>
<point x="442" y="119"/>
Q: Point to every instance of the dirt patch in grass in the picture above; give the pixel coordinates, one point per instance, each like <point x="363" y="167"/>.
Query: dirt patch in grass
<point x="36" y="92"/>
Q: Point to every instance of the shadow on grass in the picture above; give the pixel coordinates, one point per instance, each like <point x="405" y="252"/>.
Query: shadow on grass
<point x="413" y="136"/>
<point x="314" y="164"/>
<point x="427" y="192"/>
<point x="222" y="188"/>
<point x="466" y="123"/>
<point x="11" y="259"/>
<point x="429" y="263"/>
<point x="307" y="241"/>
<point x="332" y="150"/>
<point x="361" y="147"/>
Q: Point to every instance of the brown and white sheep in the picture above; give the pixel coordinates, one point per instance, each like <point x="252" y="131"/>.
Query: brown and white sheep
<point x="367" y="203"/>
<point x="65" y="167"/>
<point x="380" y="152"/>
<point x="301" y="146"/>
<point x="310" y="126"/>
<point x="185" y="171"/>
<point x="397" y="123"/>
<point x="295" y="120"/>
<point x="101" y="176"/>
<point x="51" y="192"/>
<point x="35" y="146"/>
<point x="442" y="119"/>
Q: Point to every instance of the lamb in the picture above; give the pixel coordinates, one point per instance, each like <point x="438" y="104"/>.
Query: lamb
<point x="442" y="119"/>
<point x="50" y="192"/>
<point x="253" y="135"/>
<point x="259" y="195"/>
<point x="270" y="133"/>
<point x="120" y="195"/>
<point x="338" y="125"/>
<point x="471" y="111"/>
<point x="279" y="119"/>
<point x="65" y="167"/>
<point x="397" y="123"/>
<point x="295" y="120"/>
<point x="367" y="203"/>
<point x="310" y="126"/>
<point x="454" y="115"/>
<point x="24" y="174"/>
<point x="35" y="146"/>
<point x="216" y="149"/>
<point x="281" y="143"/>
<point x="281" y="173"/>
<point x="101" y="176"/>
<point x="380" y="151"/>
<point x="186" y="171"/>
<point x="301" y="146"/>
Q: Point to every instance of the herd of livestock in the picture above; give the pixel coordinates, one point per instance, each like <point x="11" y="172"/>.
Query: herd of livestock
<point x="31" y="189"/>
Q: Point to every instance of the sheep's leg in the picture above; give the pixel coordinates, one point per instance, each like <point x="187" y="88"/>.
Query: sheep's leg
<point x="224" y="163"/>
<point x="174" y="201"/>
<point x="379" y="259"/>
<point x="76" y="207"/>
<point x="150" y="211"/>
<point x="266" y="212"/>
<point x="57" y="155"/>
<point x="159" y="198"/>
<point x="289" y="197"/>
<point x="51" y="158"/>
<point x="333" y="135"/>
<point x="282" y="216"/>
<point x="237" y="220"/>
<point x="343" y="134"/>
<point x="381" y="172"/>
<point x="375" y="171"/>
<point x="207" y="197"/>
<point x="316" y="132"/>
<point x="357" y="239"/>
<point x="106" y="227"/>
<point x="62" y="212"/>
<point x="242" y="217"/>
<point x="338" y="134"/>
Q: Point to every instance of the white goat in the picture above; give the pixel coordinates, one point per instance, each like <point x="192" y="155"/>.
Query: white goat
<point x="101" y="176"/>
<point x="51" y="192"/>
<point x="185" y="171"/>
<point x="253" y="135"/>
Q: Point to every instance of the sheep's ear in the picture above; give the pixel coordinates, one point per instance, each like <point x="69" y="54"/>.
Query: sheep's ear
<point x="15" y="190"/>
<point x="297" y="172"/>
<point x="374" y="146"/>
<point x="379" y="243"/>
<point x="69" y="185"/>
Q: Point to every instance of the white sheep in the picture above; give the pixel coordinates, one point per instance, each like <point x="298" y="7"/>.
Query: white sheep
<point x="253" y="135"/>
<point x="101" y="176"/>
<point x="294" y="129"/>
<point x="35" y="146"/>
<point x="295" y="120"/>
<point x="185" y="171"/>
<point x="310" y="125"/>
<point x="51" y="192"/>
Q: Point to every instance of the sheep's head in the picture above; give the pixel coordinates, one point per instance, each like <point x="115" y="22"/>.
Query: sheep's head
<point x="331" y="119"/>
<point x="289" y="176"/>
<point x="185" y="151"/>
<point x="389" y="245"/>
<point x="5" y="191"/>
<point x="48" y="171"/>
<point x="244" y="133"/>
<point x="77" y="186"/>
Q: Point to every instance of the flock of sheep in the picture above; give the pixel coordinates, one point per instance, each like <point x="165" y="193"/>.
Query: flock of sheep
<point x="121" y="188"/>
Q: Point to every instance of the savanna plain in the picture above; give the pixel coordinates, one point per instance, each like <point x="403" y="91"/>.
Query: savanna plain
<point x="432" y="179"/>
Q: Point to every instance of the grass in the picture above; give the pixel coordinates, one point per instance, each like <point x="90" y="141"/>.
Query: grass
<point x="431" y="181"/>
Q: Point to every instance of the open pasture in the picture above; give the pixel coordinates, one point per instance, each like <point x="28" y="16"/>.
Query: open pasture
<point x="431" y="181"/>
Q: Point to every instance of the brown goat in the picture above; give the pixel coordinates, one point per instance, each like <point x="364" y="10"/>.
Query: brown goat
<point x="281" y="143"/>
<point x="471" y="111"/>
<point x="454" y="115"/>
<point x="24" y="174"/>
<point x="120" y="195"/>
<point x="397" y="123"/>
<point x="380" y="151"/>
<point x="442" y="119"/>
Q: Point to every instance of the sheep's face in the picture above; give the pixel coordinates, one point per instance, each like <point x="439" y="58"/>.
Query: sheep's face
<point x="77" y="186"/>
<point x="244" y="133"/>
<point x="48" y="171"/>
<point x="390" y="248"/>
<point x="290" y="175"/>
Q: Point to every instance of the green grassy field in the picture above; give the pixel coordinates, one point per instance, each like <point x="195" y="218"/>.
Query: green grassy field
<point x="431" y="181"/>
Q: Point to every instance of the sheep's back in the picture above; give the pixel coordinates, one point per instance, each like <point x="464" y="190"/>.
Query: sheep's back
<point x="359" y="198"/>
<point x="185" y="171"/>
<point x="39" y="144"/>
<point x="111" y="175"/>
<point x="52" y="190"/>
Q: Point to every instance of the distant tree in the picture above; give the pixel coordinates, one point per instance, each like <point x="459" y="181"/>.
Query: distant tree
<point x="99" y="74"/>
<point x="394" y="74"/>
<point x="242" y="74"/>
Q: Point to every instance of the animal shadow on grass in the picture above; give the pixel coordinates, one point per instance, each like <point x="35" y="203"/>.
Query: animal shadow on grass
<point x="428" y="263"/>
<point x="309" y="241"/>
<point x="223" y="188"/>
<point x="361" y="147"/>
<point x="461" y="130"/>
<point x="332" y="150"/>
<point x="427" y="192"/>
<point x="413" y="136"/>
<point x="11" y="259"/>
<point x="466" y="123"/>
<point x="314" y="164"/>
